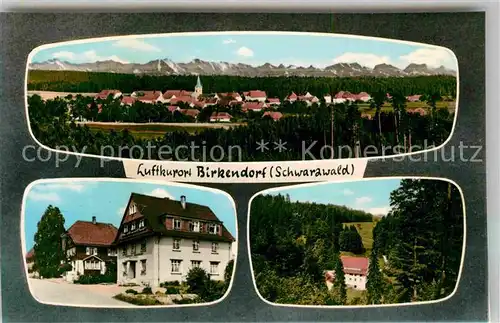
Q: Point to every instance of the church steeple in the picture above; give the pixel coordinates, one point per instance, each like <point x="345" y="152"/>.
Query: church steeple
<point x="198" y="89"/>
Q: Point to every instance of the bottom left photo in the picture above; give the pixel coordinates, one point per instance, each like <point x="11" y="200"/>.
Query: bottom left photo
<point x="124" y="243"/>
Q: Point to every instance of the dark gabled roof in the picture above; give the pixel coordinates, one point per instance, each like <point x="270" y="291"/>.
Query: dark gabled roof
<point x="154" y="208"/>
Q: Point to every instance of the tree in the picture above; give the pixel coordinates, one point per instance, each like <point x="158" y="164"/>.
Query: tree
<point x="48" y="243"/>
<point x="228" y="272"/>
<point x="374" y="284"/>
<point x="377" y="101"/>
<point x="339" y="287"/>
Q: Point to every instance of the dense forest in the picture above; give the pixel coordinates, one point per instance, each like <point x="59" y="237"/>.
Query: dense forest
<point x="306" y="130"/>
<point x="74" y="81"/>
<point x="293" y="243"/>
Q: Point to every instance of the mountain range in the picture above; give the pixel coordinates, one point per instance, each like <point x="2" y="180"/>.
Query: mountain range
<point x="201" y="67"/>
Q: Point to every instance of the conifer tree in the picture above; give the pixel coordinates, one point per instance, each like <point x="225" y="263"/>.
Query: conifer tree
<point x="48" y="244"/>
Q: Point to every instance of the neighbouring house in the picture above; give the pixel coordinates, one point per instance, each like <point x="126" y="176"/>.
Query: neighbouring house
<point x="355" y="272"/>
<point x="189" y="100"/>
<point x="30" y="262"/>
<point x="151" y="97"/>
<point x="340" y="97"/>
<point x="209" y="101"/>
<point x="128" y="100"/>
<point x="190" y="112"/>
<point x="220" y="117"/>
<point x="308" y="99"/>
<point x="173" y="108"/>
<point x="253" y="106"/>
<point x="161" y="239"/>
<point x="413" y="98"/>
<point x="230" y="95"/>
<point x="327" y="98"/>
<point x="88" y="248"/>
<point x="273" y="101"/>
<point x="363" y="96"/>
<point x="104" y="94"/>
<point x="173" y="94"/>
<point x="256" y="95"/>
<point x="274" y="115"/>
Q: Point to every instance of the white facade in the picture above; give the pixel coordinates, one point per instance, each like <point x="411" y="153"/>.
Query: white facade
<point x="165" y="260"/>
<point x="351" y="281"/>
<point x="338" y="101"/>
<point x="224" y="119"/>
<point x="260" y="99"/>
<point x="328" y="99"/>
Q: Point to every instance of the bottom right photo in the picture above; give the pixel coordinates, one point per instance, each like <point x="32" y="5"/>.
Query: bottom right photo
<point x="371" y="242"/>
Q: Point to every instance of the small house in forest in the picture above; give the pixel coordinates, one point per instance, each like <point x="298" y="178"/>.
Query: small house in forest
<point x="355" y="272"/>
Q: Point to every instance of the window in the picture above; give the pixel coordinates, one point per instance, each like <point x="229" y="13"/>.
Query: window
<point x="134" y="248"/>
<point x="132" y="227"/>
<point x="196" y="245"/>
<point x="125" y="229"/>
<point x="124" y="251"/>
<point x="143" y="245"/>
<point x="213" y="228"/>
<point x="177" y="244"/>
<point x="91" y="251"/>
<point x="132" y="208"/>
<point x="111" y="252"/>
<point x="177" y="224"/>
<point x="176" y="266"/>
<point x="215" y="247"/>
<point x="214" y="268"/>
<point x="93" y="265"/>
<point x="71" y="252"/>
<point x="141" y="224"/>
<point x="194" y="226"/>
<point x="143" y="267"/>
<point x="195" y="263"/>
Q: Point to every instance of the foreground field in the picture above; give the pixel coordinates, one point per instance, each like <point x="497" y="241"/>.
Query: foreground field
<point x="50" y="95"/>
<point x="365" y="230"/>
<point x="154" y="130"/>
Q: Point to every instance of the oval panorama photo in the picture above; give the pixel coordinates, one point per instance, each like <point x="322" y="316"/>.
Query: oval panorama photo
<point x="371" y="242"/>
<point x="241" y="96"/>
<point x="122" y="243"/>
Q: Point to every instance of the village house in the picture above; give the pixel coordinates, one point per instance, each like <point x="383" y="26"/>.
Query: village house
<point x="231" y="96"/>
<point x="253" y="106"/>
<point x="355" y="272"/>
<point x="292" y="97"/>
<point x="363" y="96"/>
<point x="274" y="115"/>
<point x="127" y="100"/>
<point x="255" y="95"/>
<point x="173" y="94"/>
<point x="273" y="102"/>
<point x="327" y="98"/>
<point x="220" y="117"/>
<point x="88" y="248"/>
<point x="151" y="97"/>
<point x="413" y="98"/>
<point x="30" y="262"/>
<point x="308" y="99"/>
<point x="190" y="112"/>
<point x="419" y="111"/>
<point x="188" y="100"/>
<point x="105" y="93"/>
<point x="161" y="239"/>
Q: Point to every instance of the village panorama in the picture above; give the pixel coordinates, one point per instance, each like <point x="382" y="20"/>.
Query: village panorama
<point x="160" y="250"/>
<point x="268" y="109"/>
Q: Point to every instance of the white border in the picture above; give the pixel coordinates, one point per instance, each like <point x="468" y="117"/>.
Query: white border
<point x="123" y="180"/>
<point x="243" y="163"/>
<point x="358" y="306"/>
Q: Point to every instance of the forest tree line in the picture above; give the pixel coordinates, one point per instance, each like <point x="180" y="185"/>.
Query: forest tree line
<point x="93" y="82"/>
<point x="293" y="243"/>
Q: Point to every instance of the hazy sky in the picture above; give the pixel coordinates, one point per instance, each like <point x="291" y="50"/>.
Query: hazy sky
<point x="254" y="49"/>
<point x="106" y="200"/>
<point x="368" y="195"/>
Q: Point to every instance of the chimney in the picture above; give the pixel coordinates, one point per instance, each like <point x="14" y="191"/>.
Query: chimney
<point x="183" y="201"/>
<point x="93" y="220"/>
